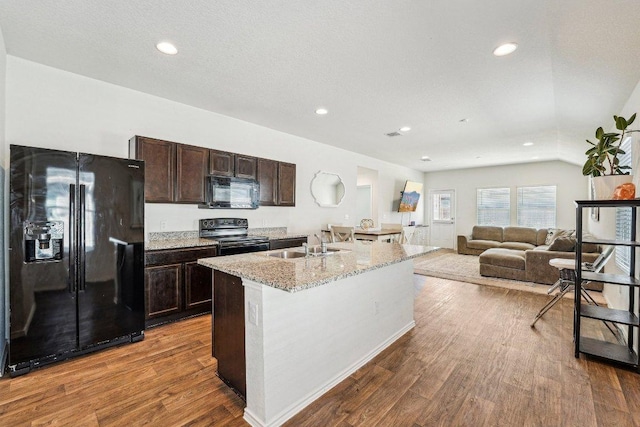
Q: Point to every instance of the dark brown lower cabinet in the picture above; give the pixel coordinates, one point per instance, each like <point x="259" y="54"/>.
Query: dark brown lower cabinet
<point x="176" y="285"/>
<point x="293" y="242"/>
<point x="228" y="331"/>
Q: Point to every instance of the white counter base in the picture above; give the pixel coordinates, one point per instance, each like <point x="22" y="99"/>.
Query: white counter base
<point x="299" y="345"/>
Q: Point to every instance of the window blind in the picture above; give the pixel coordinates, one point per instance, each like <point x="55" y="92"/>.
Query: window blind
<point x="537" y="206"/>
<point x="493" y="206"/>
<point x="623" y="217"/>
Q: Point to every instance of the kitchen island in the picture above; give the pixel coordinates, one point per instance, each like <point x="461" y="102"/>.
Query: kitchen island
<point x="299" y="326"/>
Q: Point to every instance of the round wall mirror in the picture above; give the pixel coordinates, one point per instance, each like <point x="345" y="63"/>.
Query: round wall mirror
<point x="327" y="189"/>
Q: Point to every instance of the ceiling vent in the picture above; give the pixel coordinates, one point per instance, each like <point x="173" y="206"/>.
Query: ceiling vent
<point x="391" y="134"/>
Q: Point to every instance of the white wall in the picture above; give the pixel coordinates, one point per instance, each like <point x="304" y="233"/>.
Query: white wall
<point x="618" y="296"/>
<point x="47" y="107"/>
<point x="4" y="295"/>
<point x="571" y="185"/>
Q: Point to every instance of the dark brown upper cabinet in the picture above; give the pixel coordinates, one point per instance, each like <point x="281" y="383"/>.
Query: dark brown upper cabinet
<point x="277" y="183"/>
<point x="286" y="184"/>
<point x="268" y="179"/>
<point x="160" y="167"/>
<point x="246" y="166"/>
<point x="191" y="168"/>
<point x="174" y="173"/>
<point x="222" y="163"/>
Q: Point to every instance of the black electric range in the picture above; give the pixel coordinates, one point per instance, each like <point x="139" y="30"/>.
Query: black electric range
<point x="232" y="235"/>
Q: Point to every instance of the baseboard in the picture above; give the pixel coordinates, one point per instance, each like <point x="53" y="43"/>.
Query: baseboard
<point x="296" y="407"/>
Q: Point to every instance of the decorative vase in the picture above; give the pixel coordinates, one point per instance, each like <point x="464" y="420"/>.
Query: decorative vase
<point x="604" y="186"/>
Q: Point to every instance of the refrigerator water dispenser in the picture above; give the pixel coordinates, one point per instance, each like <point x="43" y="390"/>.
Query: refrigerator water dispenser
<point x="43" y="240"/>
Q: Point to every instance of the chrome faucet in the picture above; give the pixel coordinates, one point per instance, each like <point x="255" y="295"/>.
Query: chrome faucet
<point x="323" y="243"/>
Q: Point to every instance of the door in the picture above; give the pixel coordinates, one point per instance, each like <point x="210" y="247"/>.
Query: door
<point x="41" y="261"/>
<point x="111" y="248"/>
<point x="442" y="213"/>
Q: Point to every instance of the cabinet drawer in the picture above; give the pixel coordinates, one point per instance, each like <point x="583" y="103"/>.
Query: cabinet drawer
<point x="173" y="256"/>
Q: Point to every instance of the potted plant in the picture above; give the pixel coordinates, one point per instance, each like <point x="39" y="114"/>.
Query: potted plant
<point x="603" y="164"/>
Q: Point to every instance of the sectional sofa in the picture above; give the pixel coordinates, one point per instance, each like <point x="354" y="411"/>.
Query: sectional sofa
<point x="522" y="253"/>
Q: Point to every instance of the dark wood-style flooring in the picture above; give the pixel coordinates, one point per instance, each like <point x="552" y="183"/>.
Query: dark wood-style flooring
<point x="472" y="360"/>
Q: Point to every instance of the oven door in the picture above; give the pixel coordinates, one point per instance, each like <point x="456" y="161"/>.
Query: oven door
<point x="242" y="248"/>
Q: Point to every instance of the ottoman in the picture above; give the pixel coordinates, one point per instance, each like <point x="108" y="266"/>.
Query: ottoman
<point x="504" y="263"/>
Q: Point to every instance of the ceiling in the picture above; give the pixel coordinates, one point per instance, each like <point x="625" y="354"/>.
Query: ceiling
<point x="375" y="65"/>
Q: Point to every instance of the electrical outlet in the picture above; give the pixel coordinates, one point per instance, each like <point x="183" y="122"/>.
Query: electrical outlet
<point x="253" y="313"/>
<point x="346" y="216"/>
<point x="163" y="225"/>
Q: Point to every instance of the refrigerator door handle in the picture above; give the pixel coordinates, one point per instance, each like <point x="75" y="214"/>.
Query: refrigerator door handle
<point x="72" y="238"/>
<point x="81" y="240"/>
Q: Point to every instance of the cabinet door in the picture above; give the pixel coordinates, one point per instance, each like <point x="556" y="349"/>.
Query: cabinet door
<point x="286" y="184"/>
<point x="268" y="179"/>
<point x="287" y="243"/>
<point x="163" y="290"/>
<point x="192" y="164"/>
<point x="197" y="285"/>
<point x="160" y="167"/>
<point x="246" y="166"/>
<point x="221" y="163"/>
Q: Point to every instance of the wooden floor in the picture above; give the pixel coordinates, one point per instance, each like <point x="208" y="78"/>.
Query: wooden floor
<point x="472" y="360"/>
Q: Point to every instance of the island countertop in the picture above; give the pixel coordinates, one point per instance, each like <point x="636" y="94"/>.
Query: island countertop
<point x="296" y="274"/>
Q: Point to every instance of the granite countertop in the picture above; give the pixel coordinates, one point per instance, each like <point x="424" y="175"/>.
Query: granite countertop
<point x="296" y="274"/>
<point x="190" y="239"/>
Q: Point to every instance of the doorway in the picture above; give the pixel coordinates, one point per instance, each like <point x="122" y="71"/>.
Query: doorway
<point x="442" y="210"/>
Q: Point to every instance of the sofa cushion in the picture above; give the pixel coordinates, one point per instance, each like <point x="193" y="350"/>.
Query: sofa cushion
<point x="520" y="234"/>
<point x="516" y="245"/>
<point x="503" y="258"/>
<point x="541" y="236"/>
<point x="563" y="244"/>
<point x="486" y="232"/>
<point x="482" y="244"/>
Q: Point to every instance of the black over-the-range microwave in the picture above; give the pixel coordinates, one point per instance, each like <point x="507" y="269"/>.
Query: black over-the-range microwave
<point x="224" y="192"/>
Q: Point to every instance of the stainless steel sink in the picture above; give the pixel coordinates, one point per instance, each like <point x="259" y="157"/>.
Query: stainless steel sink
<point x="317" y="251"/>
<point x="287" y="254"/>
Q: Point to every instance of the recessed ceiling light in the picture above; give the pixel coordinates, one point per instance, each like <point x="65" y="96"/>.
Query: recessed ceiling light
<point x="166" y="47"/>
<point x="528" y="144"/>
<point x="425" y="158"/>
<point x="405" y="129"/>
<point x="505" y="49"/>
<point x="535" y="158"/>
<point x="321" y="111"/>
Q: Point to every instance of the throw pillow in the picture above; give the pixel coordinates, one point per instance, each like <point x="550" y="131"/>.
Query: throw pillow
<point x="558" y="232"/>
<point x="563" y="244"/>
<point x="549" y="238"/>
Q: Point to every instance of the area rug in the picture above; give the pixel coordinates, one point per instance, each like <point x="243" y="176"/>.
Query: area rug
<point x="447" y="264"/>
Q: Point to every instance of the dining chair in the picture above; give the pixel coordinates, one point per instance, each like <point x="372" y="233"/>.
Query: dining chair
<point x="342" y="234"/>
<point x="397" y="238"/>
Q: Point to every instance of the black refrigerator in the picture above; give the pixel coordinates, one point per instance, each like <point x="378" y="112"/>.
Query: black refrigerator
<point x="76" y="254"/>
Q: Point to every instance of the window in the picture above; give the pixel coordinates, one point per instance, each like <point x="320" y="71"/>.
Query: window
<point x="623" y="217"/>
<point x="537" y="206"/>
<point x="442" y="206"/>
<point x="493" y="206"/>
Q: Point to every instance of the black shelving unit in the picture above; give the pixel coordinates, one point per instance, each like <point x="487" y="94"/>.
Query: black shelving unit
<point x="619" y="353"/>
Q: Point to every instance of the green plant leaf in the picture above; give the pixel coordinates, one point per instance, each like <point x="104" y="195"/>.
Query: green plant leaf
<point x="599" y="133"/>
<point x="621" y="123"/>
<point x="631" y="119"/>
